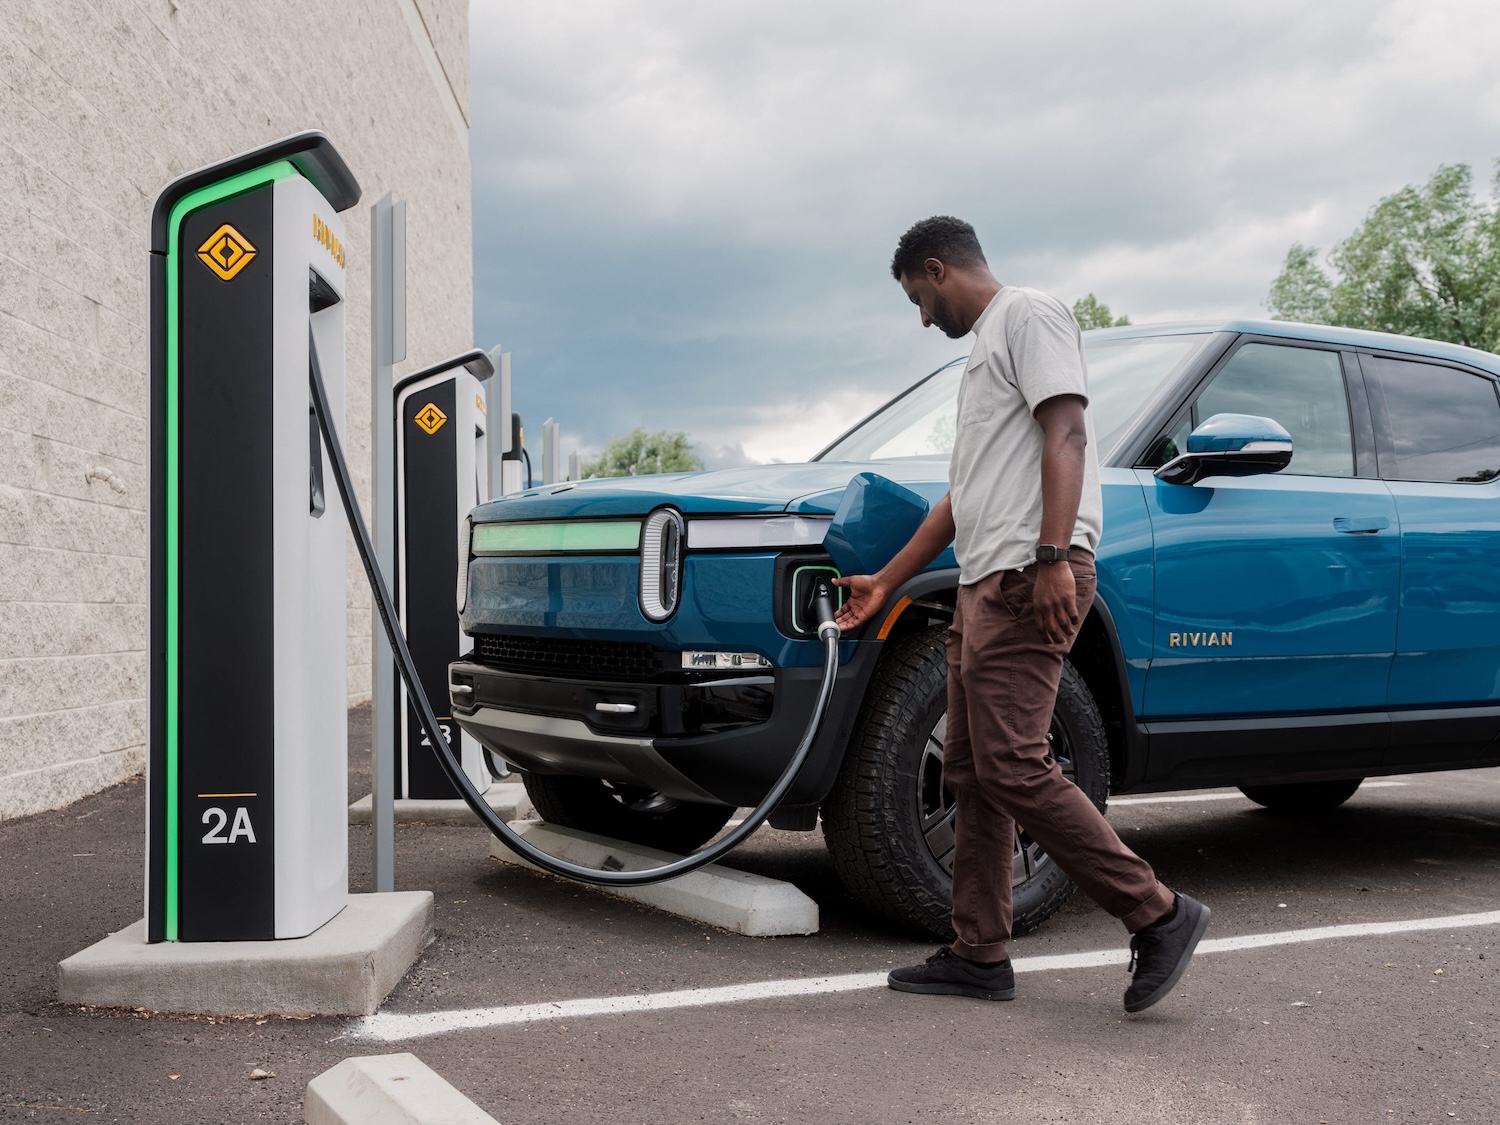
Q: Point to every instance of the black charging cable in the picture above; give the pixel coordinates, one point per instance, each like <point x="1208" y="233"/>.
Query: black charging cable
<point x="828" y="632"/>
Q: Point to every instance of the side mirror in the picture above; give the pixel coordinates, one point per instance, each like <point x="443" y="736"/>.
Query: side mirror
<point x="1230" y="445"/>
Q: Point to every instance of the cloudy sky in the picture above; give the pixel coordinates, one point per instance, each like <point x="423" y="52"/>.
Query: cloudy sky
<point x="684" y="212"/>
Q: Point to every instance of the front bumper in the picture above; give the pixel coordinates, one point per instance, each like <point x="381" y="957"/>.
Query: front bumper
<point x="670" y="742"/>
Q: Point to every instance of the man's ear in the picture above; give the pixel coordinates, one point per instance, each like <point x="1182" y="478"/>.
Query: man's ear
<point x="935" y="270"/>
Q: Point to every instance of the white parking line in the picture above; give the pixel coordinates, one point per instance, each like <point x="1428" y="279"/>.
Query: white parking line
<point x="390" y="1027"/>
<point x="1189" y="798"/>
<point x="1193" y="798"/>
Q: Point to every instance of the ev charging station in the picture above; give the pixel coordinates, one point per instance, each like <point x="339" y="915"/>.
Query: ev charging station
<point x="246" y="818"/>
<point x="443" y="470"/>
<point x="247" y="767"/>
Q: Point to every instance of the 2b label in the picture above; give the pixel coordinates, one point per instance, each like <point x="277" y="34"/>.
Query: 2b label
<point x="447" y="732"/>
<point x="240" y="830"/>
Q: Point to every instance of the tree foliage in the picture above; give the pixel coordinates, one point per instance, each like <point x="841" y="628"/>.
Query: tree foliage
<point x="1090" y="312"/>
<point x="1425" y="262"/>
<point x="1302" y="290"/>
<point x="639" y="454"/>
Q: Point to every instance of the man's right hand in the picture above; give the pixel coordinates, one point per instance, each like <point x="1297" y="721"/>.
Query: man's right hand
<point x="866" y="596"/>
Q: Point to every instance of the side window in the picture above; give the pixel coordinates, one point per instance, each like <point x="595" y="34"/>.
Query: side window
<point x="1444" y="424"/>
<point x="1170" y="446"/>
<point x="1303" y="389"/>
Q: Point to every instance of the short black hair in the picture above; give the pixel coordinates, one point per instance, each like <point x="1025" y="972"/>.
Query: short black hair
<point x="949" y="240"/>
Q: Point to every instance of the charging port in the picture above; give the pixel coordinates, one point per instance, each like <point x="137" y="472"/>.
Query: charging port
<point x="806" y="581"/>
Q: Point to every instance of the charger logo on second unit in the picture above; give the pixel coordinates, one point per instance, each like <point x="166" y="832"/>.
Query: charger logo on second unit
<point x="430" y="418"/>
<point x="226" y="252"/>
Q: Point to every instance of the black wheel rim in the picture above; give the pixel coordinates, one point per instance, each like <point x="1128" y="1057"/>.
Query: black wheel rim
<point x="934" y="803"/>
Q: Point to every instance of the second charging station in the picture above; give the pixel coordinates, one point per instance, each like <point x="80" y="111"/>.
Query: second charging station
<point x="442" y="465"/>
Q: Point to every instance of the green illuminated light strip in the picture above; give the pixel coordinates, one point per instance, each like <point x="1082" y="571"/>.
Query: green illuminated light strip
<point x="234" y="185"/>
<point x="563" y="537"/>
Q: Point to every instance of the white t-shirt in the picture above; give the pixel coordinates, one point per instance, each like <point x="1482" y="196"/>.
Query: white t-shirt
<point x="1027" y="349"/>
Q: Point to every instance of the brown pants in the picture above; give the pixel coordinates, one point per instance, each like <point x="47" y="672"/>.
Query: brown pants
<point x="1002" y="685"/>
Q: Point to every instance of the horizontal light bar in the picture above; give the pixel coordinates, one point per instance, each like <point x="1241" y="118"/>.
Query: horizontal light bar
<point x="559" y="537"/>
<point x="776" y="531"/>
<point x="713" y="661"/>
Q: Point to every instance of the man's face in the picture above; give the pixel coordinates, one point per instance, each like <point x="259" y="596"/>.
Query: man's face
<point x="925" y="291"/>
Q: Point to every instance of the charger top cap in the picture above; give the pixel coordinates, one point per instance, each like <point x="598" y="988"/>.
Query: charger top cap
<point x="311" y="153"/>
<point x="475" y="361"/>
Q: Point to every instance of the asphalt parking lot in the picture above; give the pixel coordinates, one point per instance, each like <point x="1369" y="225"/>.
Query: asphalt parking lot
<point x="1370" y="1024"/>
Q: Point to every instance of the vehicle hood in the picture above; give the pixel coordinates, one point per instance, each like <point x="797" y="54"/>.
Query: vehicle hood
<point x="810" y="488"/>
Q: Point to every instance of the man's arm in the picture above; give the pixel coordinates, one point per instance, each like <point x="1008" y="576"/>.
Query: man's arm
<point x="867" y="593"/>
<point x="1064" y="440"/>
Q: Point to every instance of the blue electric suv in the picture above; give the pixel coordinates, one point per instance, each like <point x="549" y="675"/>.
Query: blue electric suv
<point x="1299" y="587"/>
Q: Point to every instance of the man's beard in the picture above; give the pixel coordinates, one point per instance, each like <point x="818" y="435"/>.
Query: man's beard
<point x="943" y="318"/>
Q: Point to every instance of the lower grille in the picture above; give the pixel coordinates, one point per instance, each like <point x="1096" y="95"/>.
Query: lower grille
<point x="553" y="656"/>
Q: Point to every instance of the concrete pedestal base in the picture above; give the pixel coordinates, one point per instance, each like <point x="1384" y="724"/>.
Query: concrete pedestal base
<point x="346" y="968"/>
<point x="508" y="798"/>
<point x="721" y="896"/>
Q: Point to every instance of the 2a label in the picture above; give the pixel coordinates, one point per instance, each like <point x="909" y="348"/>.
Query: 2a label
<point x="240" y="829"/>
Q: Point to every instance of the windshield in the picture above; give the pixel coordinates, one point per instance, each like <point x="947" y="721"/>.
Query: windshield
<point x="922" y="423"/>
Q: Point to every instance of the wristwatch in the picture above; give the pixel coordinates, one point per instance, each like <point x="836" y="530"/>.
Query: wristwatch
<point x="1047" y="553"/>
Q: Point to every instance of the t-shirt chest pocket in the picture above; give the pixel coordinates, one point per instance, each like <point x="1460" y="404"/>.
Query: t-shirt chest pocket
<point x="979" y="395"/>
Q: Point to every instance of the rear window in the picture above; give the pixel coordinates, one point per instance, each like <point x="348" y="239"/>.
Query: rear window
<point x="1444" y="424"/>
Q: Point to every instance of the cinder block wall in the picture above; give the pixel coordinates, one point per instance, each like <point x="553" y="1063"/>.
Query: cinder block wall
<point x="101" y="104"/>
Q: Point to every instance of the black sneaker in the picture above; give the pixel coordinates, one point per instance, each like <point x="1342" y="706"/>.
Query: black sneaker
<point x="1160" y="953"/>
<point x="945" y="973"/>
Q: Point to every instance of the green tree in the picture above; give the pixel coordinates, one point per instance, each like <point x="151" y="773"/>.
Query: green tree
<point x="1090" y="312"/>
<point x="639" y="454"/>
<point x="1425" y="262"/>
<point x="1302" y="290"/>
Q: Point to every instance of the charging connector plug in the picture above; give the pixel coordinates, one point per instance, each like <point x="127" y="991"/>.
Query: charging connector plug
<point x="822" y="605"/>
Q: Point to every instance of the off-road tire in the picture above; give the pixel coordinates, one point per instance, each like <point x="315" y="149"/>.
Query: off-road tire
<point x="1303" y="797"/>
<point x="624" y="812"/>
<point x="871" y="819"/>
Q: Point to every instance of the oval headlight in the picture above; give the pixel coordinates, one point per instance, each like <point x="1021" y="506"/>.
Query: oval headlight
<point x="662" y="540"/>
<point x="465" y="538"/>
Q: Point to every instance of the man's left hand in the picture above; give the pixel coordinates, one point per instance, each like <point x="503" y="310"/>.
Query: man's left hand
<point x="1054" y="601"/>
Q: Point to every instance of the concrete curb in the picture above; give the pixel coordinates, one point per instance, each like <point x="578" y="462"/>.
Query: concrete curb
<point x="346" y="968"/>
<point x="508" y="798"/>
<point x="720" y="896"/>
<point x="387" y="1090"/>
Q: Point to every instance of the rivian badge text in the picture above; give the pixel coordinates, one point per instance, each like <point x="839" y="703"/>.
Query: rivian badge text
<point x="1199" y="640"/>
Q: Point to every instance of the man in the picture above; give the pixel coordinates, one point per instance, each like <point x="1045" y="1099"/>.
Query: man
<point x="1024" y="513"/>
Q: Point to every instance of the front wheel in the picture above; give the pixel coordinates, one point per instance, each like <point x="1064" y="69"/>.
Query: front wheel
<point x="889" y="819"/>
<point x="625" y="812"/>
<point x="1304" y="797"/>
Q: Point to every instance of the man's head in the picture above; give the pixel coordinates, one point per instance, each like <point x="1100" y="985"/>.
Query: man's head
<point x="942" y="269"/>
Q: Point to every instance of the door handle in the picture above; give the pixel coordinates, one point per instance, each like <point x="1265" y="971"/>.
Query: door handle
<point x="615" y="708"/>
<point x="1360" y="525"/>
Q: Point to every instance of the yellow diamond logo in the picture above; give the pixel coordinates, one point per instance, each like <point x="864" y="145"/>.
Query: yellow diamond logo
<point x="226" y="252"/>
<point x="430" y="418"/>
